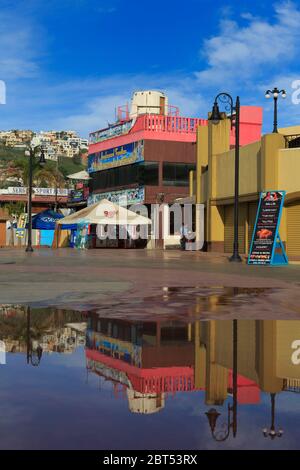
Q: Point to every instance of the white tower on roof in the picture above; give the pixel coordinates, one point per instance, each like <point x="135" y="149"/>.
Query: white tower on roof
<point x="148" y="102"/>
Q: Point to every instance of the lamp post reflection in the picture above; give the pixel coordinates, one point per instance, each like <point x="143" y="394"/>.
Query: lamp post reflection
<point x="223" y="432"/>
<point x="272" y="433"/>
<point x="34" y="355"/>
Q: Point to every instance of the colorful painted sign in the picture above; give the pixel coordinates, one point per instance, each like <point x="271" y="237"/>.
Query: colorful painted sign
<point x="123" y="155"/>
<point x="20" y="231"/>
<point x="266" y="246"/>
<point x="123" y="350"/>
<point x="79" y="195"/>
<point x="82" y="236"/>
<point x="110" y="132"/>
<point x="122" y="198"/>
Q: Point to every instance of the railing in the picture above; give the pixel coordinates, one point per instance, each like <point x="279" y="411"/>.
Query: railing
<point x="292" y="141"/>
<point x="163" y="384"/>
<point x="173" y="124"/>
<point x="149" y="122"/>
<point x="291" y="385"/>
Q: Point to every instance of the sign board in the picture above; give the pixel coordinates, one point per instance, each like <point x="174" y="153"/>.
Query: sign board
<point x="124" y="198"/>
<point x="110" y="132"/>
<point x="50" y="191"/>
<point x="266" y="246"/>
<point x="117" y="156"/>
<point x="20" y="231"/>
<point x="16" y="190"/>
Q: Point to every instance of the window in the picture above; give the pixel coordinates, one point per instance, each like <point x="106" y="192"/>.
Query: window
<point x="149" y="174"/>
<point x="177" y="174"/>
<point x="145" y="173"/>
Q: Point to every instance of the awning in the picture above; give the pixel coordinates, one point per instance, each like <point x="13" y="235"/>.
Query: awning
<point x="105" y="212"/>
<point x="186" y="200"/>
<point x="81" y="175"/>
<point x="46" y="220"/>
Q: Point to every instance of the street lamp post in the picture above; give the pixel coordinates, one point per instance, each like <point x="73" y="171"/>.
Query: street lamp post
<point x="227" y="100"/>
<point x="212" y="415"/>
<point x="272" y="433"/>
<point x="31" y="152"/>
<point x="275" y="92"/>
<point x="34" y="356"/>
<point x="56" y="185"/>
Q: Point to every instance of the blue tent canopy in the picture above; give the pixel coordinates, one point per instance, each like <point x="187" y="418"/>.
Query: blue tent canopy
<point x="46" y="220"/>
<point x="68" y="226"/>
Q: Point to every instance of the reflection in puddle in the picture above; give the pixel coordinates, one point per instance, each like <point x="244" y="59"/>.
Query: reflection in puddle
<point x="203" y="384"/>
<point x="182" y="302"/>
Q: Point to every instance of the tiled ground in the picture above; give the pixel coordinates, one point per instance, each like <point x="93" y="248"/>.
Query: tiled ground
<point x="133" y="282"/>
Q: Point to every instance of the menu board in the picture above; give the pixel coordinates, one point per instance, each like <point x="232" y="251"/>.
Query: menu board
<point x="265" y="233"/>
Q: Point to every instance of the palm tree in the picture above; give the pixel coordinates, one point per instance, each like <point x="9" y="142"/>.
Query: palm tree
<point x="48" y="176"/>
<point x="14" y="210"/>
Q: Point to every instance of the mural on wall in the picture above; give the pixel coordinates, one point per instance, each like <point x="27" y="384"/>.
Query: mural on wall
<point x="117" y="156"/>
<point x="82" y="236"/>
<point x="111" y="132"/>
<point x="122" y="198"/>
<point x="117" y="348"/>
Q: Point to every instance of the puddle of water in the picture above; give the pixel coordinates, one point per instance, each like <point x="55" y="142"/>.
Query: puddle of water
<point x="79" y="380"/>
<point x="196" y="302"/>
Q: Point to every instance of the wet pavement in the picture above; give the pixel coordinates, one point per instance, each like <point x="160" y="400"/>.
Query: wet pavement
<point x="147" y="350"/>
<point x="87" y="380"/>
<point x="94" y="278"/>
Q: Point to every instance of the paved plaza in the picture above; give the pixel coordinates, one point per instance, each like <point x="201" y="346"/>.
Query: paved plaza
<point x="131" y="281"/>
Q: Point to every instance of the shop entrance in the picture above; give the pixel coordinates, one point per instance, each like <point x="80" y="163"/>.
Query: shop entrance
<point x="229" y="228"/>
<point x="293" y="230"/>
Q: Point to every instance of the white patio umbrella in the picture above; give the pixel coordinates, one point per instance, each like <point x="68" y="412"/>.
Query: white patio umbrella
<point x="105" y="212"/>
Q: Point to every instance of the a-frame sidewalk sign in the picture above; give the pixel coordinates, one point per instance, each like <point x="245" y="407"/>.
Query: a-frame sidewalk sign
<point x="266" y="245"/>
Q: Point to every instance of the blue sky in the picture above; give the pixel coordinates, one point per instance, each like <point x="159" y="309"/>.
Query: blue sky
<point x="68" y="63"/>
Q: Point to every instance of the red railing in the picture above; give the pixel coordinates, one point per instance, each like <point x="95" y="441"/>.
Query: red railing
<point x="182" y="381"/>
<point x="149" y="122"/>
<point x="173" y="124"/>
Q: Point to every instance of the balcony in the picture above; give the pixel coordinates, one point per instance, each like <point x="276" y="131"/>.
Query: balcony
<point x="173" y="124"/>
<point x="153" y="126"/>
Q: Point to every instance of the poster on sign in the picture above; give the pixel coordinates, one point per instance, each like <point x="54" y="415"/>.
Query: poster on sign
<point x="266" y="246"/>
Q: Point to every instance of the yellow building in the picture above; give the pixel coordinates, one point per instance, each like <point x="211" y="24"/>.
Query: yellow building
<point x="272" y="163"/>
<point x="268" y="353"/>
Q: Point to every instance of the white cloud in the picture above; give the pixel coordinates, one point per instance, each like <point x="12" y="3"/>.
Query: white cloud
<point x="19" y="49"/>
<point x="244" y="57"/>
<point x="117" y="90"/>
<point x="96" y="115"/>
<point x="246" y="53"/>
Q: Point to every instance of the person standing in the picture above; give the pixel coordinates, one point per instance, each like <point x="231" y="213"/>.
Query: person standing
<point x="183" y="236"/>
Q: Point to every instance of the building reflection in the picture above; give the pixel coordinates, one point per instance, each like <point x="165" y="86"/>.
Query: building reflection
<point x="231" y="361"/>
<point x="36" y="332"/>
<point x="221" y="434"/>
<point x="148" y="360"/>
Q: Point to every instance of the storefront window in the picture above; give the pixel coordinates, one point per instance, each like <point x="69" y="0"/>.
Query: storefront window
<point x="176" y="174"/>
<point x="145" y="173"/>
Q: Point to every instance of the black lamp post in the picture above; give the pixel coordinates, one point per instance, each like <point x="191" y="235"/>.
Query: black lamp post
<point x="272" y="433"/>
<point x="31" y="153"/>
<point x="275" y="92"/>
<point x="216" y="116"/>
<point x="212" y="415"/>
<point x="34" y="356"/>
